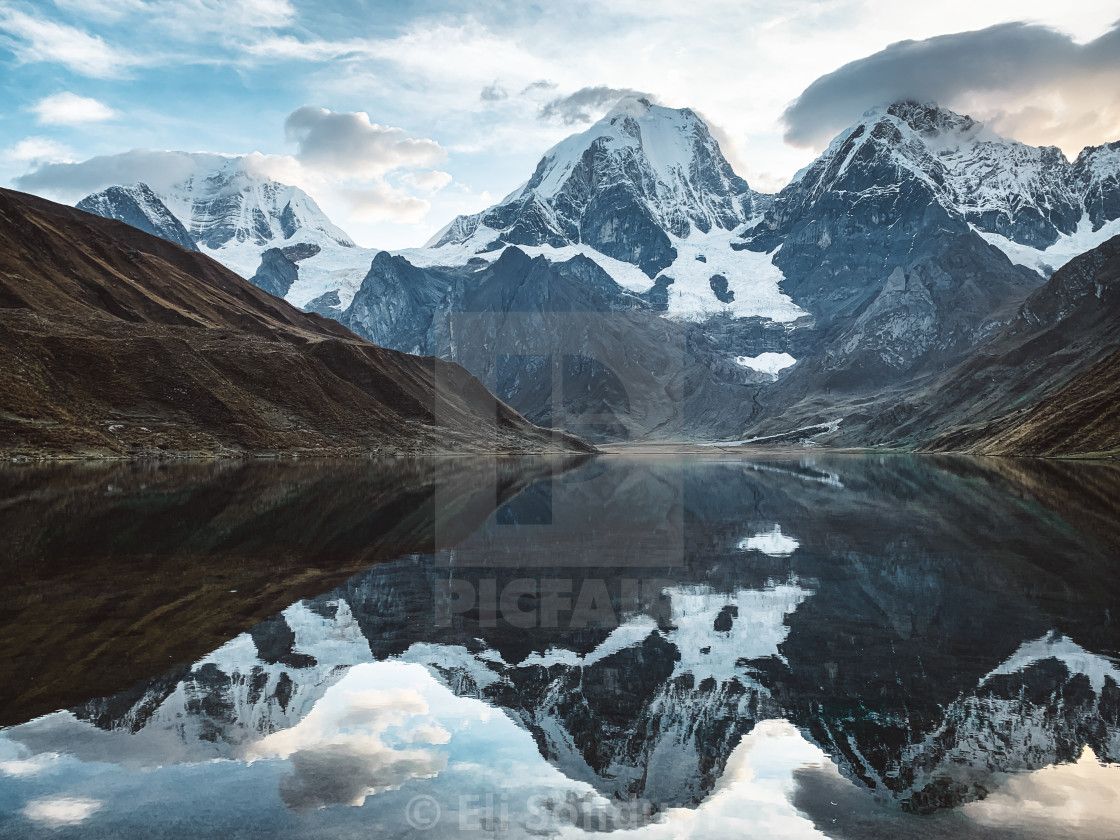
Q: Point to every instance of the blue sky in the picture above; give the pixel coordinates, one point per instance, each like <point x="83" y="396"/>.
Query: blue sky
<point x="442" y="108"/>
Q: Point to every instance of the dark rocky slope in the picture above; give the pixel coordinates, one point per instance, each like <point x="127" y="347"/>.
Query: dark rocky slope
<point x="116" y="342"/>
<point x="1082" y="418"/>
<point x="1047" y="384"/>
<point x="564" y="344"/>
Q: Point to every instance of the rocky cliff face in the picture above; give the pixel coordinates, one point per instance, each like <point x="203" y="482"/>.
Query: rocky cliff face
<point x="279" y="268"/>
<point x="1096" y="176"/>
<point x="565" y="344"/>
<point x="1044" y="384"/>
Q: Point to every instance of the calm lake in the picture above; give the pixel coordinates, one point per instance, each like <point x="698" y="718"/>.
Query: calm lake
<point x="678" y="646"/>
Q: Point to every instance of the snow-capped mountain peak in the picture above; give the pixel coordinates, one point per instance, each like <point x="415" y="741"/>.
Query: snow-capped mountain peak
<point x="635" y="181"/>
<point x="225" y="200"/>
<point x="228" y="208"/>
<point x="1000" y="186"/>
<point x="668" y="153"/>
<point x="647" y="194"/>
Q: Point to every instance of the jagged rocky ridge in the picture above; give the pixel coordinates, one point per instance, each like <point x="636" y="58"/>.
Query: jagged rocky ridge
<point x="568" y="346"/>
<point x="1047" y="384"/>
<point x="138" y="206"/>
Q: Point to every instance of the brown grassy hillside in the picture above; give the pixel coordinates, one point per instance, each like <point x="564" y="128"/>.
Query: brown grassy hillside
<point x="117" y="343"/>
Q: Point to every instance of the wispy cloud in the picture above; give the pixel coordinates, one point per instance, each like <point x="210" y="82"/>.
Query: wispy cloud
<point x="291" y="48"/>
<point x="33" y="39"/>
<point x="39" y="151"/>
<point x="586" y="104"/>
<point x="430" y="181"/>
<point x="101" y="10"/>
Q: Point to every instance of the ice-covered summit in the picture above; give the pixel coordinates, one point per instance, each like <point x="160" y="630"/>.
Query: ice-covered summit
<point x="1028" y="201"/>
<point x="1001" y="186"/>
<point x="629" y="185"/>
<point x="226" y="199"/>
<point x="667" y="154"/>
<point x="648" y="195"/>
<point x="230" y="207"/>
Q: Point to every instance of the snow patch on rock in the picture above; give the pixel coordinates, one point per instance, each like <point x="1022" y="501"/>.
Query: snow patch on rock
<point x="771" y="363"/>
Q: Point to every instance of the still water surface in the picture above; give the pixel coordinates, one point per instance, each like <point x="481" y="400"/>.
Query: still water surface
<point x="825" y="646"/>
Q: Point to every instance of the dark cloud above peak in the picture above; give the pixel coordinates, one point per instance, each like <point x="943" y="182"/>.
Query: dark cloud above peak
<point x="586" y="104"/>
<point x="991" y="66"/>
<point x="539" y="84"/>
<point x="493" y="93"/>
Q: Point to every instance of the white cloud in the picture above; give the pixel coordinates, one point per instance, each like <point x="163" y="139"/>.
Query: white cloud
<point x="347" y="144"/>
<point x="35" y="39"/>
<point x="290" y="48"/>
<point x="39" y="150"/>
<point x="68" y="108"/>
<point x="382" y="203"/>
<point x="432" y="180"/>
<point x="56" y="176"/>
<point x="587" y="104"/>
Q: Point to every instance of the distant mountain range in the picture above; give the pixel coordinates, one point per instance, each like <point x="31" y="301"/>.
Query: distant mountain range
<point x="911" y="241"/>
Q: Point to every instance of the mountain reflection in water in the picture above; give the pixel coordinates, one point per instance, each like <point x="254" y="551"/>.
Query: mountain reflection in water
<point x="841" y="645"/>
